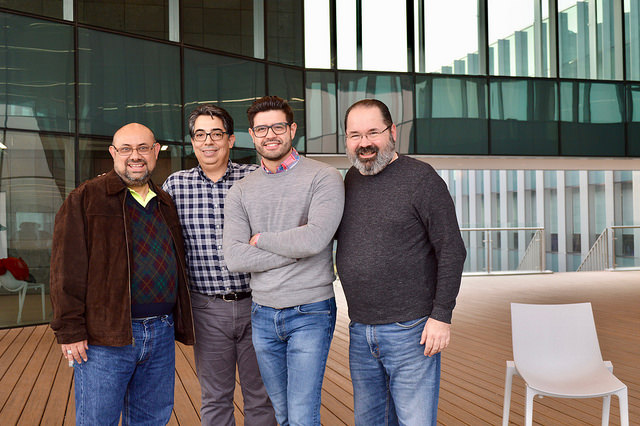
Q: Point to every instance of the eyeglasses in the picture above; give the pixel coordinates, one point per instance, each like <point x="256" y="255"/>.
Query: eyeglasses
<point x="215" y="135"/>
<point x="372" y="135"/>
<point x="278" y="129"/>
<point x="126" y="151"/>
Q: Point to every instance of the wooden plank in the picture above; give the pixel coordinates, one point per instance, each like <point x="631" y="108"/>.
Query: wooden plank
<point x="61" y="393"/>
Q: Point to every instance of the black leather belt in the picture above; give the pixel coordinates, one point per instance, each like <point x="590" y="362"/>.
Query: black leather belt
<point x="232" y="297"/>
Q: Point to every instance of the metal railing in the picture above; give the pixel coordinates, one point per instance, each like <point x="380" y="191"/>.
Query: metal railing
<point x="532" y="259"/>
<point x="597" y="259"/>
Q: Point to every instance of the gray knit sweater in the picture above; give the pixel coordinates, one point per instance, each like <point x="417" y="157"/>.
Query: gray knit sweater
<point x="400" y="254"/>
<point x="296" y="213"/>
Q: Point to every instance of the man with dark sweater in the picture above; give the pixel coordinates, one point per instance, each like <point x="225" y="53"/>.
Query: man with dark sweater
<point x="119" y="288"/>
<point x="400" y="257"/>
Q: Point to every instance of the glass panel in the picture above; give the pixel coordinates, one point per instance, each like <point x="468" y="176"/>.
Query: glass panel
<point x="36" y="176"/>
<point x="633" y="120"/>
<point x="384" y="50"/>
<point x="230" y="83"/>
<point x="288" y="84"/>
<point x="95" y="159"/>
<point x="512" y="45"/>
<point x="124" y="80"/>
<point x="632" y="38"/>
<point x="235" y="27"/>
<point x="321" y="113"/>
<point x="346" y="32"/>
<point x="582" y="27"/>
<point x="524" y="117"/>
<point x="317" y="34"/>
<point x="394" y="90"/>
<point x="51" y="8"/>
<point x="590" y="114"/>
<point x="457" y="22"/>
<point x="451" y="115"/>
<point x="145" y="17"/>
<point x="627" y="247"/>
<point x="284" y="31"/>
<point x="36" y="70"/>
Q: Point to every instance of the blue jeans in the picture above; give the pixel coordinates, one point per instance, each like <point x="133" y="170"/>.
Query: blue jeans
<point x="393" y="382"/>
<point x="292" y="345"/>
<point x="136" y="380"/>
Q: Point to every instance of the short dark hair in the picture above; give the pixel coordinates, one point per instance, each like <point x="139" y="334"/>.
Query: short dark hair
<point x="371" y="103"/>
<point x="269" y="103"/>
<point x="212" y="111"/>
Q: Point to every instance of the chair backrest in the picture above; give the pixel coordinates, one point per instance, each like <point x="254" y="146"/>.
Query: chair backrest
<point x="8" y="281"/>
<point x="554" y="338"/>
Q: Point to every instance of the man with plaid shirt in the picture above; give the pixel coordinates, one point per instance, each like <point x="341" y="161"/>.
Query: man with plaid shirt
<point x="221" y="299"/>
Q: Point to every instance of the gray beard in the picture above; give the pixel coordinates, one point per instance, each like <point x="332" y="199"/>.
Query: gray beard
<point x="131" y="181"/>
<point x="375" y="166"/>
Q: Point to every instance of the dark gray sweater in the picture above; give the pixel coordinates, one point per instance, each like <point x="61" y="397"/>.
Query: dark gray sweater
<point x="400" y="253"/>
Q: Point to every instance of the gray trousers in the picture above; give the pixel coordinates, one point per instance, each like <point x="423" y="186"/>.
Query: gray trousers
<point x="223" y="339"/>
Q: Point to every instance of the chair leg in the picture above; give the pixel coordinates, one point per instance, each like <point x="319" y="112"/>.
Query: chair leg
<point x="511" y="370"/>
<point x="624" y="407"/>
<point x="21" y="296"/>
<point x="606" y="407"/>
<point x="528" y="407"/>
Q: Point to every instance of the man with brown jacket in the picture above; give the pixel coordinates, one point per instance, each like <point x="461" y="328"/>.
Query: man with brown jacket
<point x="119" y="289"/>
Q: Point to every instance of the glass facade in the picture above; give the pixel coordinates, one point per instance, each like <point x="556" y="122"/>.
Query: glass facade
<point x="461" y="78"/>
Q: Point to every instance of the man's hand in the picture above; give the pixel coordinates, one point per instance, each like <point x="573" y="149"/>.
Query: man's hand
<point x="254" y="240"/>
<point x="435" y="336"/>
<point x="75" y="351"/>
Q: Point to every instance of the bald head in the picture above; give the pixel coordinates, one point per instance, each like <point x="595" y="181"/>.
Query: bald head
<point x="134" y="167"/>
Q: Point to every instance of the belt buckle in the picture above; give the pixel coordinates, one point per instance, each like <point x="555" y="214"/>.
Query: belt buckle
<point x="234" y="297"/>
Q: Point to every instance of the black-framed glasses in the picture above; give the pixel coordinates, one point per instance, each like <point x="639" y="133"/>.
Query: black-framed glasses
<point x="215" y="135"/>
<point x="372" y="135"/>
<point x="278" y="129"/>
<point x="126" y="151"/>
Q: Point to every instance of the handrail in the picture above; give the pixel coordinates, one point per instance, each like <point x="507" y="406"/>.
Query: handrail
<point x="597" y="259"/>
<point x="534" y="254"/>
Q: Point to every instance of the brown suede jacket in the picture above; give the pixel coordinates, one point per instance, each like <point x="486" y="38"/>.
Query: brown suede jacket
<point x="91" y="263"/>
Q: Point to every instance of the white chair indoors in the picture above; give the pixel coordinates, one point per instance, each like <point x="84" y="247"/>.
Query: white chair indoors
<point x="556" y="352"/>
<point x="9" y="282"/>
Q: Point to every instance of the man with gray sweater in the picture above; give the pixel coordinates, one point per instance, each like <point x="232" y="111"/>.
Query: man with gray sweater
<point x="400" y="257"/>
<point x="279" y="226"/>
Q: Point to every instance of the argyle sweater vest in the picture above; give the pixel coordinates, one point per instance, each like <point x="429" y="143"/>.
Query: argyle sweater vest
<point x="154" y="273"/>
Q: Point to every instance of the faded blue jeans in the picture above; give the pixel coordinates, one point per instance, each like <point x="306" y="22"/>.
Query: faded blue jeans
<point x="135" y="380"/>
<point x="393" y="382"/>
<point x="292" y="345"/>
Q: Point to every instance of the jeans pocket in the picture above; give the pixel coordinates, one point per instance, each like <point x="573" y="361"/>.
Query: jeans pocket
<point x="200" y="301"/>
<point x="167" y="319"/>
<point x="412" y="323"/>
<point x="254" y="307"/>
<point x="318" y="308"/>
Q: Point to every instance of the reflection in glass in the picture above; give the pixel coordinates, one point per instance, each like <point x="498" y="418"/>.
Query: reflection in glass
<point x="287" y="83"/>
<point x="455" y="21"/>
<point x="124" y="80"/>
<point x="382" y="49"/>
<point x="321" y="112"/>
<point x="632" y="38"/>
<point x="36" y="74"/>
<point x="138" y="17"/>
<point x="37" y="173"/>
<point x="284" y="31"/>
<point x="514" y="49"/>
<point x="51" y="8"/>
<point x="95" y="159"/>
<point x="235" y="27"/>
<point x="394" y="90"/>
<point x="524" y="117"/>
<point x="633" y="120"/>
<point x="230" y="83"/>
<point x="451" y="115"/>
<point x="591" y="113"/>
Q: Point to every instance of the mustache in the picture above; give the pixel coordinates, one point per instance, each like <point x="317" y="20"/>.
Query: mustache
<point x="371" y="149"/>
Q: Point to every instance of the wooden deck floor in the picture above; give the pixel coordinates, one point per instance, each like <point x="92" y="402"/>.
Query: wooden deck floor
<point x="36" y="386"/>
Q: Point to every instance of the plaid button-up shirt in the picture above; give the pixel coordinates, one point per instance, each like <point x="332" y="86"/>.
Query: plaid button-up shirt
<point x="200" y="204"/>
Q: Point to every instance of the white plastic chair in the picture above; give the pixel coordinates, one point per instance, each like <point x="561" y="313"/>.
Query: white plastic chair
<point x="556" y="352"/>
<point x="9" y="282"/>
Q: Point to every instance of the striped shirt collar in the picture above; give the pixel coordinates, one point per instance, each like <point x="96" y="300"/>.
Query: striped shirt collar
<point x="287" y="164"/>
